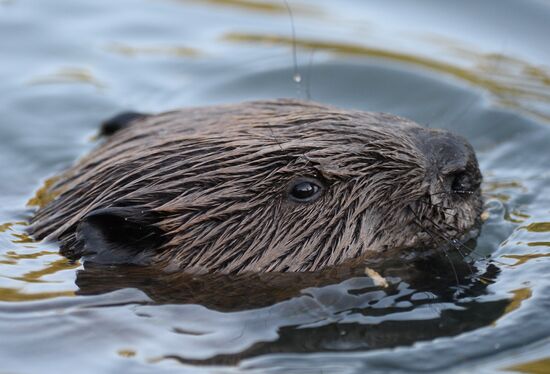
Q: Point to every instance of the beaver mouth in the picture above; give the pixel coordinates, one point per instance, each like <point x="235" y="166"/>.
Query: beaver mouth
<point x="462" y="243"/>
<point x="427" y="240"/>
<point x="457" y="248"/>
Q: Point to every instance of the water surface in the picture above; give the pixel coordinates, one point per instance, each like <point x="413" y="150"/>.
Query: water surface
<point x="478" y="68"/>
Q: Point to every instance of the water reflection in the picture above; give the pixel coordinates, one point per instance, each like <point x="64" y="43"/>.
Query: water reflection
<point x="335" y="309"/>
<point x="523" y="90"/>
<point x="32" y="271"/>
<point x="267" y="7"/>
<point x="68" y="75"/>
<point x="132" y="51"/>
<point x="537" y="227"/>
<point x="534" y="367"/>
<point x="523" y="258"/>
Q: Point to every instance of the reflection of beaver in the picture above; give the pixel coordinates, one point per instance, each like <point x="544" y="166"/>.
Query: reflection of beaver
<point x="263" y="186"/>
<point x="302" y="313"/>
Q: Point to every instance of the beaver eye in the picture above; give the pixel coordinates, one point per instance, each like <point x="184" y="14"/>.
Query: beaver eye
<point x="304" y="190"/>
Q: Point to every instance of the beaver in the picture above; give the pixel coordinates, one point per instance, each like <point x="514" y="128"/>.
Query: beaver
<point x="265" y="186"/>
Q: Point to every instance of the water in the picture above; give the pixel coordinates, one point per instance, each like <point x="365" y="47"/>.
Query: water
<point x="478" y="68"/>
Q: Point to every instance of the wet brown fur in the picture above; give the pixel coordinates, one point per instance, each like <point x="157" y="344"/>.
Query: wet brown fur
<point x="214" y="181"/>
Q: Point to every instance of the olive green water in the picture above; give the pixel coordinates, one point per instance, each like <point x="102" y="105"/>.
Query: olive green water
<point x="481" y="69"/>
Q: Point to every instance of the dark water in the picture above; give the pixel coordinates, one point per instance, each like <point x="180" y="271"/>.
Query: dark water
<point x="479" y="68"/>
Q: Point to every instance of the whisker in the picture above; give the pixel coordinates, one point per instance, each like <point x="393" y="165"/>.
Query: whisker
<point x="465" y="192"/>
<point x="437" y="206"/>
<point x="275" y="138"/>
<point x="452" y="267"/>
<point x="454" y="242"/>
<point x="473" y="274"/>
<point x="444" y="251"/>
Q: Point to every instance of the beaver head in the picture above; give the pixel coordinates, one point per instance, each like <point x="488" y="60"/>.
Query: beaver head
<point x="264" y="186"/>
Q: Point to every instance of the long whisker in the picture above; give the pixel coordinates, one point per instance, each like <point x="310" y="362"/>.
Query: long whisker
<point x="457" y="244"/>
<point x="454" y="242"/>
<point x="451" y="240"/>
<point x="473" y="274"/>
<point x="437" y="206"/>
<point x="275" y="138"/>
<point x="444" y="251"/>
<point x="453" y="191"/>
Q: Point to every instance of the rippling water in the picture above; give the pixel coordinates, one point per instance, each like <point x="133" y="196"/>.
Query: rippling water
<point x="478" y="68"/>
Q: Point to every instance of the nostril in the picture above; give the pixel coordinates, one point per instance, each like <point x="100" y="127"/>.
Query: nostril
<point x="461" y="183"/>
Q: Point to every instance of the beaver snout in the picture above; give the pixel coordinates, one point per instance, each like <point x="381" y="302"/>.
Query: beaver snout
<point x="451" y="205"/>
<point x="451" y="165"/>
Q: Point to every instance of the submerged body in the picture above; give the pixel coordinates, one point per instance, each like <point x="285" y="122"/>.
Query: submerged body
<point x="279" y="185"/>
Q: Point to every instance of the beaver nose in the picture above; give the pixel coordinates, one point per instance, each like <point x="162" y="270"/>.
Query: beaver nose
<point x="449" y="159"/>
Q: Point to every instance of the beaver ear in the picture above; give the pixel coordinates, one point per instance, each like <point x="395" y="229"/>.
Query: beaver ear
<point x="119" y="122"/>
<point x="118" y="236"/>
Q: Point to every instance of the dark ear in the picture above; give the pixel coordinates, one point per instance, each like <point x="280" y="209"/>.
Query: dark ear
<point x="118" y="236"/>
<point x="119" y="122"/>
